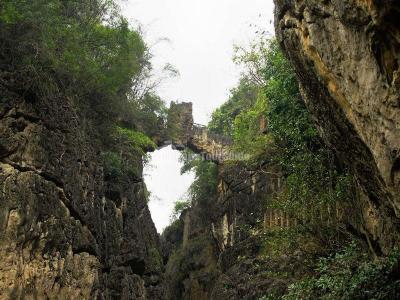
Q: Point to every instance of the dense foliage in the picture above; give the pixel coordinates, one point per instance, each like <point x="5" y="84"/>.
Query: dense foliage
<point x="84" y="50"/>
<point x="85" y="55"/>
<point x="273" y="124"/>
<point x="203" y="190"/>
<point x="79" y="47"/>
<point x="350" y="274"/>
<point x="179" y="207"/>
<point x="242" y="97"/>
<point x="138" y="141"/>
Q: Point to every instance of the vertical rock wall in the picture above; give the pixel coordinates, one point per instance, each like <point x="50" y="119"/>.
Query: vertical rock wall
<point x="67" y="233"/>
<point x="216" y="257"/>
<point x="243" y="192"/>
<point x="346" y="55"/>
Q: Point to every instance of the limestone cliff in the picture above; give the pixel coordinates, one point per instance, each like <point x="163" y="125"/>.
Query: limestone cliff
<point x="214" y="249"/>
<point x="346" y="56"/>
<point x="68" y="231"/>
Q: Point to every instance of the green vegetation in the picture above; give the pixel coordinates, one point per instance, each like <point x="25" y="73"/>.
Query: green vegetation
<point x="343" y="270"/>
<point x="148" y="113"/>
<point x="179" y="207"/>
<point x="313" y="176"/>
<point x="204" y="188"/>
<point x="247" y="135"/>
<point x="84" y="55"/>
<point x="350" y="274"/>
<point x="156" y="260"/>
<point x="116" y="168"/>
<point x="271" y="123"/>
<point x="281" y="241"/>
<point x="242" y="98"/>
<point x="139" y="142"/>
<point x="83" y="49"/>
<point x="112" y="165"/>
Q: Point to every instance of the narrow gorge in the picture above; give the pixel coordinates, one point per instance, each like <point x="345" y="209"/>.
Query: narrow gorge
<point x="297" y="174"/>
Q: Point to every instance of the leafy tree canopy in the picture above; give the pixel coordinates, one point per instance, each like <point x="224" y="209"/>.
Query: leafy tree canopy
<point x="267" y="119"/>
<point x="83" y="50"/>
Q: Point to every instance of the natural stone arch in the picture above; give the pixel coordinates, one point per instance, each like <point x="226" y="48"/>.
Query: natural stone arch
<point x="182" y="133"/>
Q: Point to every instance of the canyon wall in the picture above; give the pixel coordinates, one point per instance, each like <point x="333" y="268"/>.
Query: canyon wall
<point x="214" y="251"/>
<point x="346" y="57"/>
<point x="68" y="231"/>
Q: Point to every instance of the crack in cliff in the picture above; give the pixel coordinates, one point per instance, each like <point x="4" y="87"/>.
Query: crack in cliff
<point x="136" y="265"/>
<point x="7" y="153"/>
<point x="64" y="200"/>
<point x="5" y="113"/>
<point x="48" y="177"/>
<point x="85" y="249"/>
<point x="30" y="118"/>
<point x="16" y="114"/>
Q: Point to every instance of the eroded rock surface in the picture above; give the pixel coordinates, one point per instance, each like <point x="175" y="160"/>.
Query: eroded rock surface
<point x="212" y="250"/>
<point x="67" y="232"/>
<point x="346" y="55"/>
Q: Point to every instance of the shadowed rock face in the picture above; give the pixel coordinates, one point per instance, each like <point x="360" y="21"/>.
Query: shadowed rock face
<point x="216" y="255"/>
<point x="67" y="232"/>
<point x="346" y="56"/>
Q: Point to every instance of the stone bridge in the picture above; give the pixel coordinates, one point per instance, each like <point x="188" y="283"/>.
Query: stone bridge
<point x="183" y="133"/>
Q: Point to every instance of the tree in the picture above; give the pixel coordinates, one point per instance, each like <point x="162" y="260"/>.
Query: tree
<point x="314" y="178"/>
<point x="83" y="52"/>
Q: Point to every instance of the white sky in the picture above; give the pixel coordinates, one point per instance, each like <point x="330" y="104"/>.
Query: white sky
<point x="166" y="184"/>
<point x="201" y="34"/>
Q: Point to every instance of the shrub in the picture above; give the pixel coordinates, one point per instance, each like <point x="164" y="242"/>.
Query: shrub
<point x="83" y="52"/>
<point x="112" y="165"/>
<point x="350" y="274"/>
<point x="179" y="207"/>
<point x="116" y="169"/>
<point x="138" y="141"/>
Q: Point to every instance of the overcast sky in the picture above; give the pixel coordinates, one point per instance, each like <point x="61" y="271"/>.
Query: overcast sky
<point x="201" y="36"/>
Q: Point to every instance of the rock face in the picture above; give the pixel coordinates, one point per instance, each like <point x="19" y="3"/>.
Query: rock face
<point x="243" y="192"/>
<point x="180" y="124"/>
<point x="346" y="55"/>
<point x="183" y="133"/>
<point x="217" y="254"/>
<point x="67" y="232"/>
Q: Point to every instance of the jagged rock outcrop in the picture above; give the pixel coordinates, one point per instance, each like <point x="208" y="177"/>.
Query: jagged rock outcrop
<point x="346" y="55"/>
<point x="68" y="232"/>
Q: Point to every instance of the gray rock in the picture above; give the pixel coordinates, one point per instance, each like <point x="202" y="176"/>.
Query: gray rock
<point x="346" y="56"/>
<point x="67" y="231"/>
